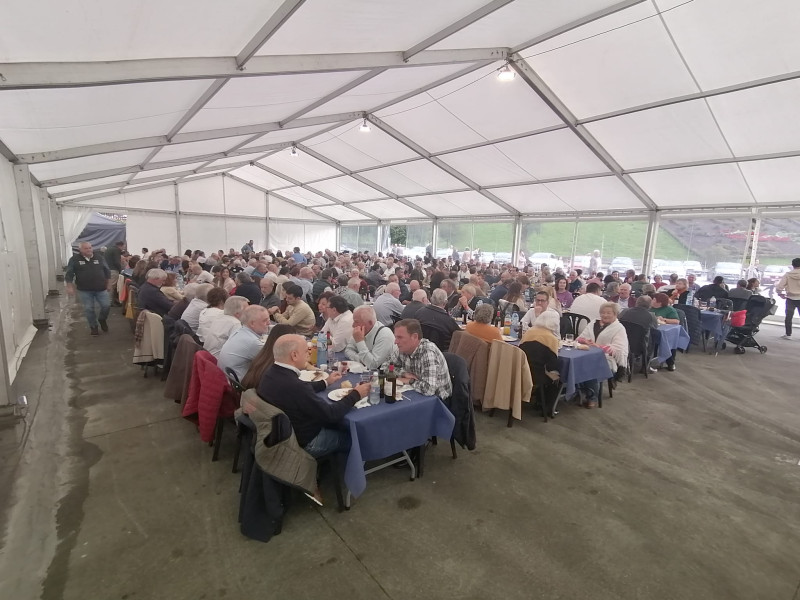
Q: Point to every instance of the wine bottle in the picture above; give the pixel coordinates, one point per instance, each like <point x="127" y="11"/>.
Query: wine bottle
<point x="392" y="379"/>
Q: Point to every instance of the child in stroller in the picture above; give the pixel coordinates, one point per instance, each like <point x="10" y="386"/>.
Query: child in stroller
<point x="757" y="308"/>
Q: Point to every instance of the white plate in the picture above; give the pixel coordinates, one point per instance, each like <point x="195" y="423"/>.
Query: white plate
<point x="363" y="403"/>
<point x="337" y="395"/>
<point x="353" y="366"/>
<point x="508" y="338"/>
<point x="313" y="375"/>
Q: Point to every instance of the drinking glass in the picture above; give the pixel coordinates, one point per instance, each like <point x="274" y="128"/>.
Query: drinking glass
<point x="569" y="340"/>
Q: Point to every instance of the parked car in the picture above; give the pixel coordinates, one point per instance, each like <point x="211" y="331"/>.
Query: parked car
<point x="552" y="261"/>
<point x="581" y="262"/>
<point x="668" y="267"/>
<point x="771" y="276"/>
<point x="693" y="267"/>
<point x="499" y="257"/>
<point x="731" y="272"/>
<point x="621" y="264"/>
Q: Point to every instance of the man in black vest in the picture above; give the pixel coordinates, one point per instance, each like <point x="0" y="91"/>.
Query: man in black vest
<point x="90" y="275"/>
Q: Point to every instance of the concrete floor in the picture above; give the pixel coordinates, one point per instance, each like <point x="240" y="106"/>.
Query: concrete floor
<point x="683" y="486"/>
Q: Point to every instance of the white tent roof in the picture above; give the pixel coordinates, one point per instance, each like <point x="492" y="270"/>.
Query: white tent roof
<point x="616" y="105"/>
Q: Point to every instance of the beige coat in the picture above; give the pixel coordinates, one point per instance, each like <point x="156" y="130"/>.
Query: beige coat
<point x="286" y="460"/>
<point x="509" y="382"/>
<point x="475" y="352"/>
<point x="151" y="347"/>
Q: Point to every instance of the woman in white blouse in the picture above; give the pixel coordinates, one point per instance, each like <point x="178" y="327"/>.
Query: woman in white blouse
<point x="608" y="334"/>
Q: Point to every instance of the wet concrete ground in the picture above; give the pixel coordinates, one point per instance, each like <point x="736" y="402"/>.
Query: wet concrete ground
<point x="684" y="485"/>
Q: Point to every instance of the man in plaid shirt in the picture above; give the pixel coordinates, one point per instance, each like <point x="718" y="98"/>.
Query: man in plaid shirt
<point x="420" y="362"/>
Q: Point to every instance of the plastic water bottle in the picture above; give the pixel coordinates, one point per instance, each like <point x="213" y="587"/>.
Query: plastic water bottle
<point x="712" y="302"/>
<point x="514" y="326"/>
<point x="322" y="351"/>
<point x="374" y="389"/>
<point x="690" y="298"/>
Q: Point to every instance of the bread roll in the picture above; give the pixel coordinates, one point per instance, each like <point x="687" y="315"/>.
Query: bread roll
<point x="346" y="385"/>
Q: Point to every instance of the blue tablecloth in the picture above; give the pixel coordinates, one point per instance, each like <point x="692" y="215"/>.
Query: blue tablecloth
<point x="384" y="429"/>
<point x="577" y="366"/>
<point x="673" y="337"/>
<point x="711" y="321"/>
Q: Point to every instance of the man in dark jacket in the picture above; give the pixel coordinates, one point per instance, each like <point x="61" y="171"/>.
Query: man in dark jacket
<point x="90" y="274"/>
<point x="418" y="299"/>
<point x="269" y="297"/>
<point x="435" y="316"/>
<point x="150" y="296"/>
<point x="713" y="290"/>
<point x="247" y="288"/>
<point x="313" y="418"/>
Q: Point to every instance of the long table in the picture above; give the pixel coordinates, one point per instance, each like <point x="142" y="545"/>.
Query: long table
<point x="382" y="430"/>
<point x="673" y="337"/>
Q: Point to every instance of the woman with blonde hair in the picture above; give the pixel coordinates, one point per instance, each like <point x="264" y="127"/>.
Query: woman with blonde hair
<point x="169" y="289"/>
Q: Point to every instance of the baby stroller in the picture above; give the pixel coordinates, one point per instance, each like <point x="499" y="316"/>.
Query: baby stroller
<point x="757" y="308"/>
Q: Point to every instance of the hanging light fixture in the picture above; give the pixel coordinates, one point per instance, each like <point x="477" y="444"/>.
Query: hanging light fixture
<point x="506" y="73"/>
<point x="293" y="151"/>
<point x="364" y="127"/>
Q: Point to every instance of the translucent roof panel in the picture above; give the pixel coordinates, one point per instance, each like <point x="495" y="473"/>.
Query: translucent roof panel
<point x="730" y="41"/>
<point x="301" y="167"/>
<point x="356" y="149"/>
<point x="287" y="135"/>
<point x="457" y="204"/>
<point x="99" y="30"/>
<point x="254" y="100"/>
<point x="487" y="165"/>
<point x="89" y="164"/>
<point x="347" y="189"/>
<point x="661" y="136"/>
<point x="192" y="149"/>
<point x="760" y="120"/>
<point x="775" y="180"/>
<point x="415" y="177"/>
<point x="595" y="194"/>
<point x="341" y="213"/>
<point x="710" y="185"/>
<point x="321" y="27"/>
<point x="230" y="160"/>
<point x="279" y="209"/>
<point x="455" y="114"/>
<point x="518" y="22"/>
<point x="260" y="177"/>
<point x="614" y="70"/>
<point x="167" y="170"/>
<point x="50" y="119"/>
<point x="469" y="96"/>
<point x="69" y="187"/>
<point x="387" y="86"/>
<point x="554" y="154"/>
<point x="304" y="196"/>
<point x="532" y="199"/>
<point x="390" y="209"/>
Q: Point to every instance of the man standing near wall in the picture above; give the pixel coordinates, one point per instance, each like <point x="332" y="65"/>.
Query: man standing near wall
<point x="90" y="275"/>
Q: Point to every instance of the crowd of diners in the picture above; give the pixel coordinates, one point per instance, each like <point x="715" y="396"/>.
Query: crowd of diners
<point x="241" y="304"/>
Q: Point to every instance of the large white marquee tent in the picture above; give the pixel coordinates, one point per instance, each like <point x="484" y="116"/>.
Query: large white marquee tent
<point x="209" y="123"/>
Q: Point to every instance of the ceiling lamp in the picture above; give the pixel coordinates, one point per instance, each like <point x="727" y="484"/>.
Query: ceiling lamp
<point x="506" y="73"/>
<point x="364" y="127"/>
<point x="293" y="151"/>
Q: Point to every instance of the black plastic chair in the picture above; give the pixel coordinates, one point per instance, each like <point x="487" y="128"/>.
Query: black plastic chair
<point x="435" y="335"/>
<point x="638" y="347"/>
<point x="545" y="390"/>
<point x="575" y="322"/>
<point x="694" y="324"/>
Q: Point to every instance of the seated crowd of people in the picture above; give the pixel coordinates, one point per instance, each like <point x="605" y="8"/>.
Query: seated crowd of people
<point x="388" y="309"/>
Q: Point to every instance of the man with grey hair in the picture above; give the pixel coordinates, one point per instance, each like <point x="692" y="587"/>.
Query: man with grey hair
<point x="371" y="343"/>
<point x="244" y="344"/>
<point x="348" y="289"/>
<point x="90" y="273"/>
<point x="224" y="326"/>
<point x="314" y="420"/>
<point x="387" y="306"/>
<point x="192" y="313"/>
<point x="418" y="299"/>
<point x="434" y="315"/>
<point x="150" y="296"/>
<point x="199" y="275"/>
